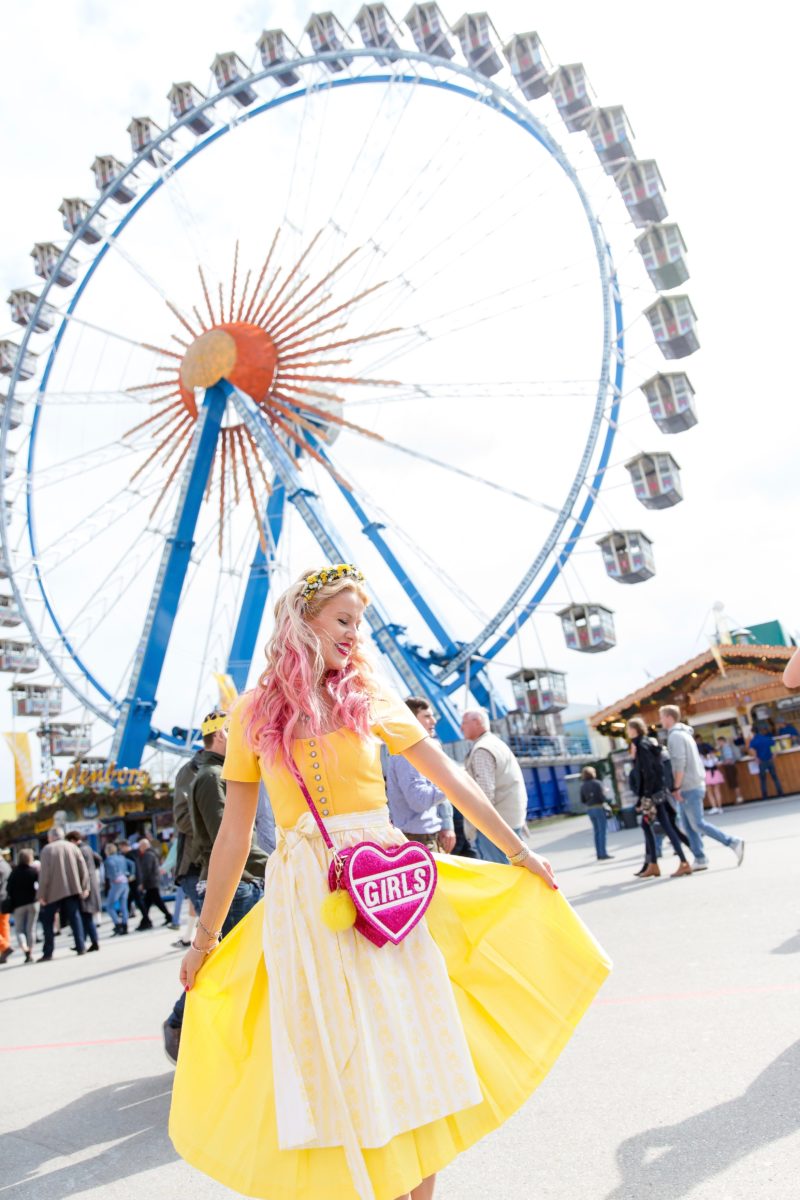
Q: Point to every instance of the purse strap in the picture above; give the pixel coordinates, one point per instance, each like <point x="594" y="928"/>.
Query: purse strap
<point x="326" y="837"/>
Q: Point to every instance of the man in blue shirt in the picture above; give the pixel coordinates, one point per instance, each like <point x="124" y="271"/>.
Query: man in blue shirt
<point x="417" y="806"/>
<point x="761" y="745"/>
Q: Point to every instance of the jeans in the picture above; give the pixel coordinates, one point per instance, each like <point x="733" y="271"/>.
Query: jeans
<point x="70" y="909"/>
<point x="695" y="824"/>
<point x="597" y="815"/>
<point x="246" y="896"/>
<point x="118" y="898"/>
<point x="177" y="906"/>
<point x="488" y="851"/>
<point x="89" y="928"/>
<point x="25" y="918"/>
<point x="768" y="768"/>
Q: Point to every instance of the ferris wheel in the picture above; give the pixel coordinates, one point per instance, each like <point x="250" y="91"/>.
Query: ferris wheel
<point x="357" y="302"/>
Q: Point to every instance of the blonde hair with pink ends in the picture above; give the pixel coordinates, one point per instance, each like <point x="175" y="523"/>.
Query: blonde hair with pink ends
<point x="295" y="674"/>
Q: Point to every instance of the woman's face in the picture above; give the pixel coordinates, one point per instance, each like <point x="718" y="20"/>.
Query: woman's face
<point x="336" y="625"/>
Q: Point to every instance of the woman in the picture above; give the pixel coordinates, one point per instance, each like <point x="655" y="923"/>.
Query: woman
<point x="23" y="886"/>
<point x="729" y="757"/>
<point x="714" y="779"/>
<point x="119" y="872"/>
<point x="91" y="905"/>
<point x="654" y="800"/>
<point x="343" y="1069"/>
<point x="593" y="796"/>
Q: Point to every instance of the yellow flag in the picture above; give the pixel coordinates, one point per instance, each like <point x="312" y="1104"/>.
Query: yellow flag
<point x="227" y="691"/>
<point x="718" y="659"/>
<point x="20" y="746"/>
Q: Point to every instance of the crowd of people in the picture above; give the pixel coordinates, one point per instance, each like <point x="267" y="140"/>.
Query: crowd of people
<point x="670" y="779"/>
<point x="72" y="885"/>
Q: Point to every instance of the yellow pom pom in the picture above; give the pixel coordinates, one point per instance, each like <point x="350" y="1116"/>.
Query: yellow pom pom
<point x="338" y="911"/>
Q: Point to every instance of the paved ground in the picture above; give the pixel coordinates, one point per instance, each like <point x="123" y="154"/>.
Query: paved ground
<point x="684" y="1079"/>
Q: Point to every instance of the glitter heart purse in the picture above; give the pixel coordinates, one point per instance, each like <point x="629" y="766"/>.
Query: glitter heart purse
<point x="384" y="891"/>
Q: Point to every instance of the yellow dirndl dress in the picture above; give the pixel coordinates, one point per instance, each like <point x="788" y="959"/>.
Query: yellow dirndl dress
<point x="316" y="1066"/>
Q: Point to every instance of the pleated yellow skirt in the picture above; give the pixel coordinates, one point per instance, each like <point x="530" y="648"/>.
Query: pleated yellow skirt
<point x="523" y="970"/>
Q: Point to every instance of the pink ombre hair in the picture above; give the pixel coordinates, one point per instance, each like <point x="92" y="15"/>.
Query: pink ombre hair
<point x="295" y="675"/>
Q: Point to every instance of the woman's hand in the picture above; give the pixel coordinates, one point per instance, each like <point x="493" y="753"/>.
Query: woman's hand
<point x="541" y="867"/>
<point x="191" y="963"/>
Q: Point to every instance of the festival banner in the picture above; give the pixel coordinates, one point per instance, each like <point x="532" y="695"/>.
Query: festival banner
<point x="20" y="746"/>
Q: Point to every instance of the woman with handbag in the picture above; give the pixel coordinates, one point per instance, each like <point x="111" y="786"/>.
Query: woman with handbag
<point x="367" y="1023"/>
<point x="654" y="800"/>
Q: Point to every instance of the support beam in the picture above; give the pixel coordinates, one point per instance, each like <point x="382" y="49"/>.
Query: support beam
<point x="256" y="592"/>
<point x="410" y="669"/>
<point x="480" y="684"/>
<point x="133" y="726"/>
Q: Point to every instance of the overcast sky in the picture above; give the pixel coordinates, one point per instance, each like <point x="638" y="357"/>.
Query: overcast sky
<point x="707" y="91"/>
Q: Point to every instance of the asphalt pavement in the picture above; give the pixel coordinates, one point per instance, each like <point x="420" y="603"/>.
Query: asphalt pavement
<point x="682" y="1081"/>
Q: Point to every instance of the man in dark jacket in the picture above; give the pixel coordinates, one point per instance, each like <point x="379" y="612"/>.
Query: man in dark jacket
<point x="148" y="877"/>
<point x="187" y="868"/>
<point x="206" y="802"/>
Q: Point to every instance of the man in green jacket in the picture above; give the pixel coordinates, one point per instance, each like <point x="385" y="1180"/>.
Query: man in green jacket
<point x="206" y="804"/>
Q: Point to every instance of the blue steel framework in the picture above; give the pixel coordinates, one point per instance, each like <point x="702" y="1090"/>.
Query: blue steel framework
<point x="451" y="662"/>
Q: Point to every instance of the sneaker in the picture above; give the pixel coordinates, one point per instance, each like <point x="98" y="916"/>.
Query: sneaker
<point x="181" y="944"/>
<point x="738" y="850"/>
<point x="700" y="864"/>
<point x="172" y="1041"/>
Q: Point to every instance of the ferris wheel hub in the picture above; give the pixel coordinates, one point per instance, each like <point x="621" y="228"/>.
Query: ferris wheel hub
<point x="242" y="353"/>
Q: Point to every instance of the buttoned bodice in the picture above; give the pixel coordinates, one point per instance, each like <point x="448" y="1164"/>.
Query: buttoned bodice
<point x="342" y="771"/>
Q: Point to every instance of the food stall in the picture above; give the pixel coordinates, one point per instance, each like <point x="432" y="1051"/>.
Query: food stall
<point x="729" y="691"/>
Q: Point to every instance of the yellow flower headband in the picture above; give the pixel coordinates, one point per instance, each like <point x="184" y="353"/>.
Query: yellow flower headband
<point x="330" y="575"/>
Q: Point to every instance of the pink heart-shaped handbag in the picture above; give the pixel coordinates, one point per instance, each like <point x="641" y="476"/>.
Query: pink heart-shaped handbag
<point x="390" y="886"/>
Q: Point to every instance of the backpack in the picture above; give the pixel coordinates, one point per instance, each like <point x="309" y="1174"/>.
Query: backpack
<point x="669" y="778"/>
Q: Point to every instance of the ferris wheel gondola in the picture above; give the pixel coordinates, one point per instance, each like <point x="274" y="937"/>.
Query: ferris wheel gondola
<point x="224" y="399"/>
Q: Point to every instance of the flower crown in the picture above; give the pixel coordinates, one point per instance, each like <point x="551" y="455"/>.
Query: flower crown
<point x="330" y="575"/>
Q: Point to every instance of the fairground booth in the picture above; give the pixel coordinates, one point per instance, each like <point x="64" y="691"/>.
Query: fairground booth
<point x="727" y="691"/>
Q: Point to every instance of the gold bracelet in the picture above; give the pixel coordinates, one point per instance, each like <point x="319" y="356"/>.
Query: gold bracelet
<point x="520" y="858"/>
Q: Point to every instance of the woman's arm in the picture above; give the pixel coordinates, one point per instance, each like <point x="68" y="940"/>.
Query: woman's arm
<point x="228" y="856"/>
<point x="431" y="761"/>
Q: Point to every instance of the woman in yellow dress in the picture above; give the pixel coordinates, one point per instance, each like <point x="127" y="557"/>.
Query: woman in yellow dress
<point x="315" y="1065"/>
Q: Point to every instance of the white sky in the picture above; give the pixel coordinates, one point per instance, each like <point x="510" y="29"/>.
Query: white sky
<point x="708" y="97"/>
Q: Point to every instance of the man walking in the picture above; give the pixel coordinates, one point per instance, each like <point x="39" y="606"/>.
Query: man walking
<point x="417" y="807"/>
<point x="762" y="746"/>
<point x="63" y="884"/>
<point x="499" y="776"/>
<point x="689" y="788"/>
<point x="187" y="870"/>
<point x="206" y="802"/>
<point x="148" y="876"/>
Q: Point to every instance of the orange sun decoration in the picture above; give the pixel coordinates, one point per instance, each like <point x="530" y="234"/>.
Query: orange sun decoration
<point x="270" y="342"/>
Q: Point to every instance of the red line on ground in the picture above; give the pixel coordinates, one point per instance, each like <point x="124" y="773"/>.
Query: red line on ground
<point x="148" y="1037"/>
<point x="711" y="994"/>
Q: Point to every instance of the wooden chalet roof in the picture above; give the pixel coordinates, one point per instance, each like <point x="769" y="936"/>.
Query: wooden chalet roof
<point x="691" y="674"/>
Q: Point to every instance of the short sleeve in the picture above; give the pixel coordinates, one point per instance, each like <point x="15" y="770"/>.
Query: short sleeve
<point x="241" y="761"/>
<point x="395" y="724"/>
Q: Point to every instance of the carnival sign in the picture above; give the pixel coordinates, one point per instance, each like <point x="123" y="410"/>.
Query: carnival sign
<point x="78" y="778"/>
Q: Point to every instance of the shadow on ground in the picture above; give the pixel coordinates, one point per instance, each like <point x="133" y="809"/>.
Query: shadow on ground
<point x="132" y="1116"/>
<point x="671" y="1161"/>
